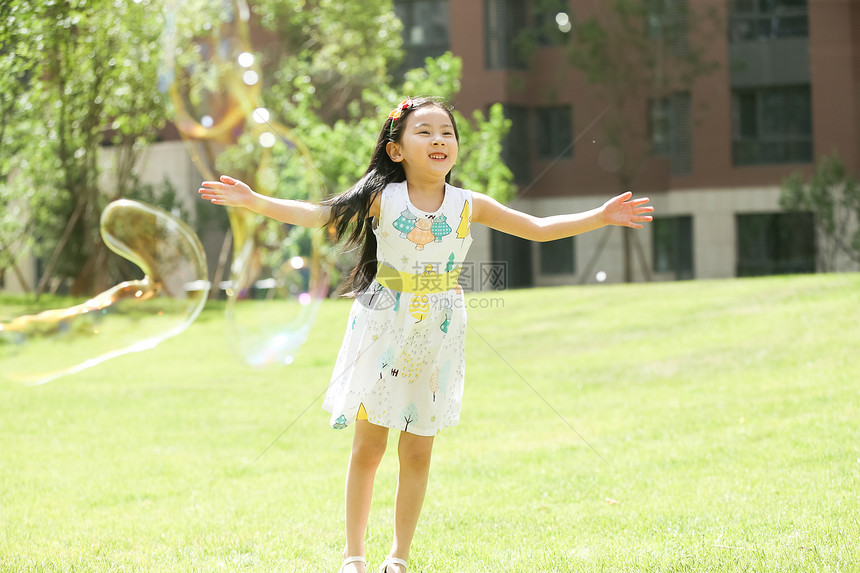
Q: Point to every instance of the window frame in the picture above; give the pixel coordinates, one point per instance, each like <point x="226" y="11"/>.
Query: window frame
<point x="753" y="136"/>
<point x="555" y="144"/>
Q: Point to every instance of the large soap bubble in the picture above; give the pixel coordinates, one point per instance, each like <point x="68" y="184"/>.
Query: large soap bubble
<point x="279" y="274"/>
<point x="274" y="290"/>
<point x="209" y="71"/>
<point x="130" y="317"/>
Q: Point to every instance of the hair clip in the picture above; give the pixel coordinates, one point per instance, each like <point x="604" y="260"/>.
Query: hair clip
<point x="397" y="112"/>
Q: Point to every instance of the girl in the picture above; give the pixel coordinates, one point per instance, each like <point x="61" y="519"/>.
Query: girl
<point x="402" y="362"/>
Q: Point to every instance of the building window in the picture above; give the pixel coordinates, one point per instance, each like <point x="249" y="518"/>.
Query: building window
<point x="514" y="254"/>
<point x="666" y="20"/>
<point x="771" y="125"/>
<point x="554" y="132"/>
<point x="670" y="129"/>
<point x="516" y="147"/>
<point x="775" y="243"/>
<point x="764" y="20"/>
<point x="504" y="22"/>
<point x="672" y="241"/>
<point x="660" y="126"/>
<point x="425" y="30"/>
<point x="557" y="257"/>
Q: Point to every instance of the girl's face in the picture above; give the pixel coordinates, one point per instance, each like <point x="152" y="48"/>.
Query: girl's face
<point x="427" y="147"/>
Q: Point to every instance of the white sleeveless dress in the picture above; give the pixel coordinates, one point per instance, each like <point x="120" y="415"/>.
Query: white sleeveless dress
<point x="402" y="361"/>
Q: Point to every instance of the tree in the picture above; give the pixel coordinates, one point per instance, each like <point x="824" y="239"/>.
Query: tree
<point x="325" y="77"/>
<point x="409" y="414"/>
<point x="833" y="197"/>
<point x="91" y="81"/>
<point x="638" y="53"/>
<point x="17" y="61"/>
<point x="332" y="85"/>
<point x="93" y="72"/>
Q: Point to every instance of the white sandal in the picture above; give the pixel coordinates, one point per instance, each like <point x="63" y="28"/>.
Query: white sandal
<point x="392" y="561"/>
<point x="354" y="559"/>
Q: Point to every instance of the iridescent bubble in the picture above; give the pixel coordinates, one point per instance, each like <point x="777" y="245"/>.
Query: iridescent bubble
<point x="246" y="59"/>
<point x="250" y="77"/>
<point x="273" y="295"/>
<point x="562" y="20"/>
<point x="267" y="139"/>
<point x="206" y="48"/>
<point x="280" y="273"/>
<point x="261" y="115"/>
<point x="611" y="159"/>
<point x="132" y="316"/>
<point x="211" y="71"/>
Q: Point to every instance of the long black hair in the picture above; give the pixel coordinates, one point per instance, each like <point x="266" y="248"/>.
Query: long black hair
<point x="354" y="204"/>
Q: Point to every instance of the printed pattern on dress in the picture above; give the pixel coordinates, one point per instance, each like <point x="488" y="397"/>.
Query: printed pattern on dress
<point x="402" y="359"/>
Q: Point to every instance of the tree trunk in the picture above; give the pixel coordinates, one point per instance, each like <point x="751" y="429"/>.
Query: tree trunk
<point x="55" y="256"/>
<point x="222" y="264"/>
<point x="22" y="280"/>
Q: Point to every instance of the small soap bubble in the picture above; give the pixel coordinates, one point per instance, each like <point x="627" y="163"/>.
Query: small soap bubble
<point x="250" y="77"/>
<point x="261" y="115"/>
<point x="610" y="159"/>
<point x="563" y="21"/>
<point x="267" y="139"/>
<point x="246" y="59"/>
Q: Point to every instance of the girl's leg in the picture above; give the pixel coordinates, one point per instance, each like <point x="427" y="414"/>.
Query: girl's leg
<point x="414" y="453"/>
<point x="368" y="446"/>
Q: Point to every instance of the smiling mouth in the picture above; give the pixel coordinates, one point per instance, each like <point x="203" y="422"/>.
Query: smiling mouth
<point x="438" y="156"/>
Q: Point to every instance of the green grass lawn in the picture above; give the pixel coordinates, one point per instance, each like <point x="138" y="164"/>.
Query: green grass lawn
<point x="723" y="420"/>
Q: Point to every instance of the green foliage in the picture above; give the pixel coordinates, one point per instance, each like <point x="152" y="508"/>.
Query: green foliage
<point x="94" y="69"/>
<point x="546" y="29"/>
<point x="163" y="195"/>
<point x="340" y="151"/>
<point x="480" y="166"/>
<point x="328" y="52"/>
<point x="17" y="63"/>
<point x="326" y="76"/>
<point x="90" y="69"/>
<point x="590" y="52"/>
<point x="833" y="197"/>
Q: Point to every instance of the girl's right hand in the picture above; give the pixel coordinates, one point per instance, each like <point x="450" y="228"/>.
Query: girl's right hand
<point x="227" y="191"/>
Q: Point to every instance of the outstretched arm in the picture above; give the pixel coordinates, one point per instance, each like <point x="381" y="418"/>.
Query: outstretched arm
<point x="621" y="211"/>
<point x="233" y="193"/>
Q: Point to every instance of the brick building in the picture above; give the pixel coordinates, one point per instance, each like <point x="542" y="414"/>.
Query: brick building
<point x="786" y="92"/>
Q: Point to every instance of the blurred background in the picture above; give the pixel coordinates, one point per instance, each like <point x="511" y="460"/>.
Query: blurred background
<point x="740" y="119"/>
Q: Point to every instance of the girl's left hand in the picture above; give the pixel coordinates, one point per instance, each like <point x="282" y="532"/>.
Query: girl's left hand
<point x="624" y="212"/>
